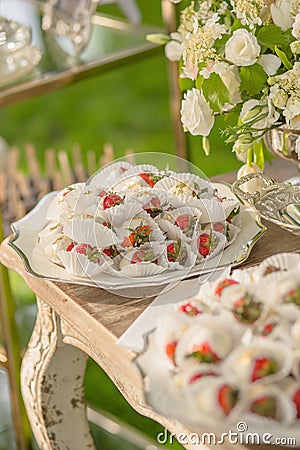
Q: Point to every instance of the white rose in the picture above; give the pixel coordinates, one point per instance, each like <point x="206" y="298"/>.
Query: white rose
<point x="281" y="14"/>
<point x="270" y="63"/>
<point x="242" y="48"/>
<point x="296" y="27"/>
<point x="196" y="115"/>
<point x="173" y="48"/>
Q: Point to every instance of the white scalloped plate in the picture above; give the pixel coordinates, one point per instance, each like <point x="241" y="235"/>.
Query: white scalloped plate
<point x="26" y="231"/>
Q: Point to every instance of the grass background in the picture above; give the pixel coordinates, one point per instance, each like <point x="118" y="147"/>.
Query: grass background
<point x="129" y="108"/>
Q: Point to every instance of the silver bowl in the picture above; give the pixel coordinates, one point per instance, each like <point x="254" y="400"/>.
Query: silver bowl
<point x="282" y="142"/>
<point x="277" y="202"/>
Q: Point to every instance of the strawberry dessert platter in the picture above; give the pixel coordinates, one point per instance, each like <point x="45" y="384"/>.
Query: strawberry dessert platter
<point x="135" y="229"/>
<point x="135" y="221"/>
<point x="231" y="353"/>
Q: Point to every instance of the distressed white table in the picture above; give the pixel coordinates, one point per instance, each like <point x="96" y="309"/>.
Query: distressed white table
<point x="75" y="322"/>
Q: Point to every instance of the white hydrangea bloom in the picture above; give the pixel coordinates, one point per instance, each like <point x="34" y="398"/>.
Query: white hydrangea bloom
<point x="278" y="96"/>
<point x="285" y="91"/>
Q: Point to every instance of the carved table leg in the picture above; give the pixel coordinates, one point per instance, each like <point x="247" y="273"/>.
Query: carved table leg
<point x="52" y="378"/>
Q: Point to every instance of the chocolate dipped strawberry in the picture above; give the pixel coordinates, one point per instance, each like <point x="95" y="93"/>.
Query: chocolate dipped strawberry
<point x="296" y="400"/>
<point x="246" y="309"/>
<point x="190" y="309"/>
<point x="138" y="236"/>
<point x="150" y="178"/>
<point x="111" y="251"/>
<point x="224" y="284"/>
<point x="293" y="296"/>
<point x="262" y="367"/>
<point x="153" y="207"/>
<point x="204" y="244"/>
<point x="170" y="350"/>
<point x="177" y="252"/>
<point x="143" y="256"/>
<point x="198" y="375"/>
<point x="227" y="398"/>
<point x="268" y="328"/>
<point x="265" y="406"/>
<point x="70" y="247"/>
<point x="83" y="249"/>
<point x="190" y="188"/>
<point x="207" y="243"/>
<point x="92" y="253"/>
<point x="203" y="352"/>
<point x="111" y="200"/>
<point x="219" y="227"/>
<point x="186" y="223"/>
<point x="270" y="269"/>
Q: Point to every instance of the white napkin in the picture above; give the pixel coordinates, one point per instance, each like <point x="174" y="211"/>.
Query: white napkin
<point x="133" y="338"/>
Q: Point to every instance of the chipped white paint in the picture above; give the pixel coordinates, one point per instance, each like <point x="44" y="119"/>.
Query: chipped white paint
<point x="52" y="378"/>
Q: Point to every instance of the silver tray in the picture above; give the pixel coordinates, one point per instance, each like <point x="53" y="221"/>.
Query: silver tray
<point x="25" y="239"/>
<point x="277" y="202"/>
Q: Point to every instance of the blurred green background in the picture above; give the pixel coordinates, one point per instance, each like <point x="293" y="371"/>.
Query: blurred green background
<point x="129" y="108"/>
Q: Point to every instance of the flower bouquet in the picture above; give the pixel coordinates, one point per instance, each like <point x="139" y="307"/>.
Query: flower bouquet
<point x="240" y="58"/>
<point x="231" y="353"/>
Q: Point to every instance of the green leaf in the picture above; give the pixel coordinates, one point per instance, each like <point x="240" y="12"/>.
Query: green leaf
<point x="206" y="145"/>
<point x="258" y="152"/>
<point x="236" y="25"/>
<point x="253" y="79"/>
<point x="199" y="82"/>
<point x="185" y="84"/>
<point x="219" y="44"/>
<point x="215" y="92"/>
<point x="283" y="58"/>
<point x="271" y="36"/>
<point x="199" y="79"/>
